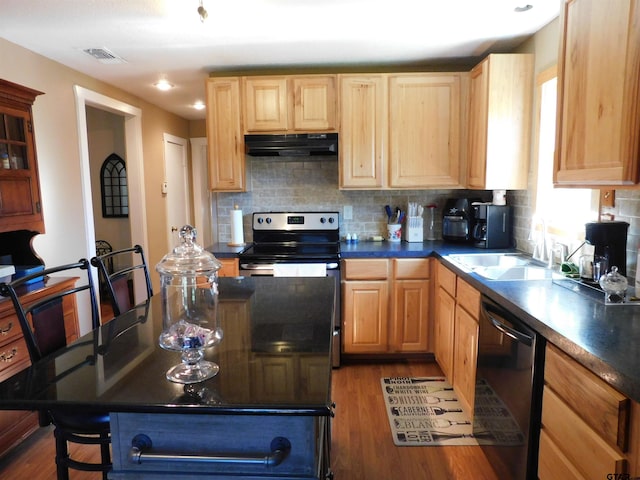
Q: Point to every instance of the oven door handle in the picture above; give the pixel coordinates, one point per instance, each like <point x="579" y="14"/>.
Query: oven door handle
<point x="269" y="266"/>
<point x="506" y="329"/>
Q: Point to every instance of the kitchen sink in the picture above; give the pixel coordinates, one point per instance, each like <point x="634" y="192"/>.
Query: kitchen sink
<point x="501" y="266"/>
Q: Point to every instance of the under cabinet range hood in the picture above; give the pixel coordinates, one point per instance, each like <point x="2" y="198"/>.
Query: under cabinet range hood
<point x="292" y="145"/>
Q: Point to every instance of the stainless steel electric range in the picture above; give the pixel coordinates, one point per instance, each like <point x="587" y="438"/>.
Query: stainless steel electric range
<point x="297" y="244"/>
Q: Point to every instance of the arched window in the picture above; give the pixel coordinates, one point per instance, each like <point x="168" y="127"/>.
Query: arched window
<point x="113" y="184"/>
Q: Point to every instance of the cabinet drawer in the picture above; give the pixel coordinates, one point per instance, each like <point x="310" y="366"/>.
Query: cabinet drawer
<point x="365" y="269"/>
<point x="446" y="279"/>
<point x="411" y="268"/>
<point x="602" y="407"/>
<point x="13" y="358"/>
<point x="9" y="329"/>
<point x="468" y="298"/>
<point x="217" y="435"/>
<point x="553" y="464"/>
<point x="581" y="445"/>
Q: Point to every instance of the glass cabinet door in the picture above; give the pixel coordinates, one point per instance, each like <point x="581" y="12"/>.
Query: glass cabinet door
<point x="13" y="142"/>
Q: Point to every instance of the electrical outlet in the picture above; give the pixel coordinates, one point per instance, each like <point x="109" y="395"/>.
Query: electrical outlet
<point x="348" y="212"/>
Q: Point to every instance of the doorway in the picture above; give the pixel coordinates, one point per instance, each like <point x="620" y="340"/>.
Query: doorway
<point x="133" y="153"/>
<point x="176" y="187"/>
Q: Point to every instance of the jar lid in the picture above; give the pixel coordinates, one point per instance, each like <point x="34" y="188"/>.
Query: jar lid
<point x="188" y="258"/>
<point x="613" y="282"/>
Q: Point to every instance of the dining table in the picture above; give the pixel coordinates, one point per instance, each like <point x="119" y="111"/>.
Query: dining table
<point x="266" y="414"/>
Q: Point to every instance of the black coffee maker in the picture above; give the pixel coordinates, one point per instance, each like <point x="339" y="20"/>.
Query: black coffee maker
<point x="609" y="240"/>
<point x="492" y="226"/>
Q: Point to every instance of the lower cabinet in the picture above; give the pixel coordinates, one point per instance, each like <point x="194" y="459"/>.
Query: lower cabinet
<point x="386" y="305"/>
<point x="195" y="446"/>
<point x="457" y="314"/>
<point x="15" y="425"/>
<point x="230" y="267"/>
<point x="585" y="423"/>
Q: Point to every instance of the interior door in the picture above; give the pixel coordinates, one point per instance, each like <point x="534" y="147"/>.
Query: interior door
<point x="176" y="187"/>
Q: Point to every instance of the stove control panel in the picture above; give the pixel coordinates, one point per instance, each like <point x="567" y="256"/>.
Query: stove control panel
<point x="288" y="221"/>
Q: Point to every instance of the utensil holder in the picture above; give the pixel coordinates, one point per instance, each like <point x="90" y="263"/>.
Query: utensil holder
<point x="414" y="229"/>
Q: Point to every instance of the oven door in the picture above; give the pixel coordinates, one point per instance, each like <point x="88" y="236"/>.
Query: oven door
<point x="330" y="269"/>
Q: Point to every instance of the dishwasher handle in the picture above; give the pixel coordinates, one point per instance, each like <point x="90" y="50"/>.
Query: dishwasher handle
<point x="511" y="332"/>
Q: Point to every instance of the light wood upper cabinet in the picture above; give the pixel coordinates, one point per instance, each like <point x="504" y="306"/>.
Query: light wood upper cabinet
<point x="265" y="104"/>
<point x="425" y="118"/>
<point x="402" y="131"/>
<point x="500" y="122"/>
<point x="363" y="130"/>
<point x="224" y="134"/>
<point x="290" y="103"/>
<point x="598" y="131"/>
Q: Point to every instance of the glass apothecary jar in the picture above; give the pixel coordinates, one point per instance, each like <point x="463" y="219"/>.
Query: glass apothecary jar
<point x="189" y="291"/>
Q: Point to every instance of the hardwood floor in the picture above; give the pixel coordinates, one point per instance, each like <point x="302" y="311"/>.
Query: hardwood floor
<point x="362" y="447"/>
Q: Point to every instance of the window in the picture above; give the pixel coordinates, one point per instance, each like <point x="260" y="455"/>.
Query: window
<point x="113" y="186"/>
<point x="563" y="211"/>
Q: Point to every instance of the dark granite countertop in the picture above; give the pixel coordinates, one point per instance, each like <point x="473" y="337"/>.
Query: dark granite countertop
<point x="603" y="338"/>
<point x="121" y="367"/>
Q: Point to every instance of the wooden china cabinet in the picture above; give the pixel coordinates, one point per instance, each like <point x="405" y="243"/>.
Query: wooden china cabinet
<point x="20" y="206"/>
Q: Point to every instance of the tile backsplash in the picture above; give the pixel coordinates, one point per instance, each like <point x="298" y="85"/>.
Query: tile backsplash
<point x="307" y="185"/>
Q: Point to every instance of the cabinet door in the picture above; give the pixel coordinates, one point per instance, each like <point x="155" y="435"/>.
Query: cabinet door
<point x="465" y="358"/>
<point x="230" y="267"/>
<point x="265" y="104"/>
<point x="224" y="133"/>
<point x="410" y="321"/>
<point x="598" y="138"/>
<point x="314" y="103"/>
<point x="365" y="316"/>
<point x="443" y="328"/>
<point x="477" y="135"/>
<point x="425" y="130"/>
<point x="363" y="131"/>
<point x="501" y="94"/>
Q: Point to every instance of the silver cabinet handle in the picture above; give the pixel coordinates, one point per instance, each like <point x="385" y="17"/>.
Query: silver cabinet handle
<point x="280" y="448"/>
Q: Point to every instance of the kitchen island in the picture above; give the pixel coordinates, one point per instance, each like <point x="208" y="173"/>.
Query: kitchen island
<point x="265" y="414"/>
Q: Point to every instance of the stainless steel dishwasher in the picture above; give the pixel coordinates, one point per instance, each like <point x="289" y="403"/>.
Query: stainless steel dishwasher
<point x="511" y="363"/>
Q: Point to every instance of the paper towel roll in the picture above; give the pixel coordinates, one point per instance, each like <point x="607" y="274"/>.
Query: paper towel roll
<point x="237" y="233"/>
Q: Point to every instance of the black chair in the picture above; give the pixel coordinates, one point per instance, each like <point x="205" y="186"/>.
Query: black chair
<point x="44" y="335"/>
<point x="102" y="248"/>
<point x="119" y="279"/>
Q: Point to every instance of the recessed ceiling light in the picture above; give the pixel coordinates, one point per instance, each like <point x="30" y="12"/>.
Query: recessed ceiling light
<point x="523" y="8"/>
<point x="163" y="85"/>
<point x="199" y="105"/>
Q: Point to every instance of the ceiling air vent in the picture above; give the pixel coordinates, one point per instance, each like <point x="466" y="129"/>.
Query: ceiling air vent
<point x="104" y="56"/>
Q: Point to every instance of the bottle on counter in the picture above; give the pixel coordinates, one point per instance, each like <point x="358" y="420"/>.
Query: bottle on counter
<point x="4" y="161"/>
<point x="430" y="221"/>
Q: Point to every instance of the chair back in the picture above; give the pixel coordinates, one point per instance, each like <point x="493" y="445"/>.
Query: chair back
<point x="46" y="331"/>
<point x="118" y="278"/>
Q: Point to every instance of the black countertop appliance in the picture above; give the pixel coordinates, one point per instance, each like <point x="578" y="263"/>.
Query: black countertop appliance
<point x="492" y="226"/>
<point x="457" y="220"/>
<point x="609" y="240"/>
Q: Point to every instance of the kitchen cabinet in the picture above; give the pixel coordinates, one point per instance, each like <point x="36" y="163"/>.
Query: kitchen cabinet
<point x="363" y="129"/>
<point x="224" y="134"/>
<point x="425" y="130"/>
<point x="386" y="305"/>
<point x="230" y="267"/>
<point x="402" y="131"/>
<point x="365" y="303"/>
<point x="598" y="133"/>
<point x="585" y="423"/>
<point x="20" y="204"/>
<point x="14" y="357"/>
<point x="465" y="351"/>
<point x="304" y="103"/>
<point x="444" y="319"/>
<point x="457" y="314"/>
<point x="499" y="138"/>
